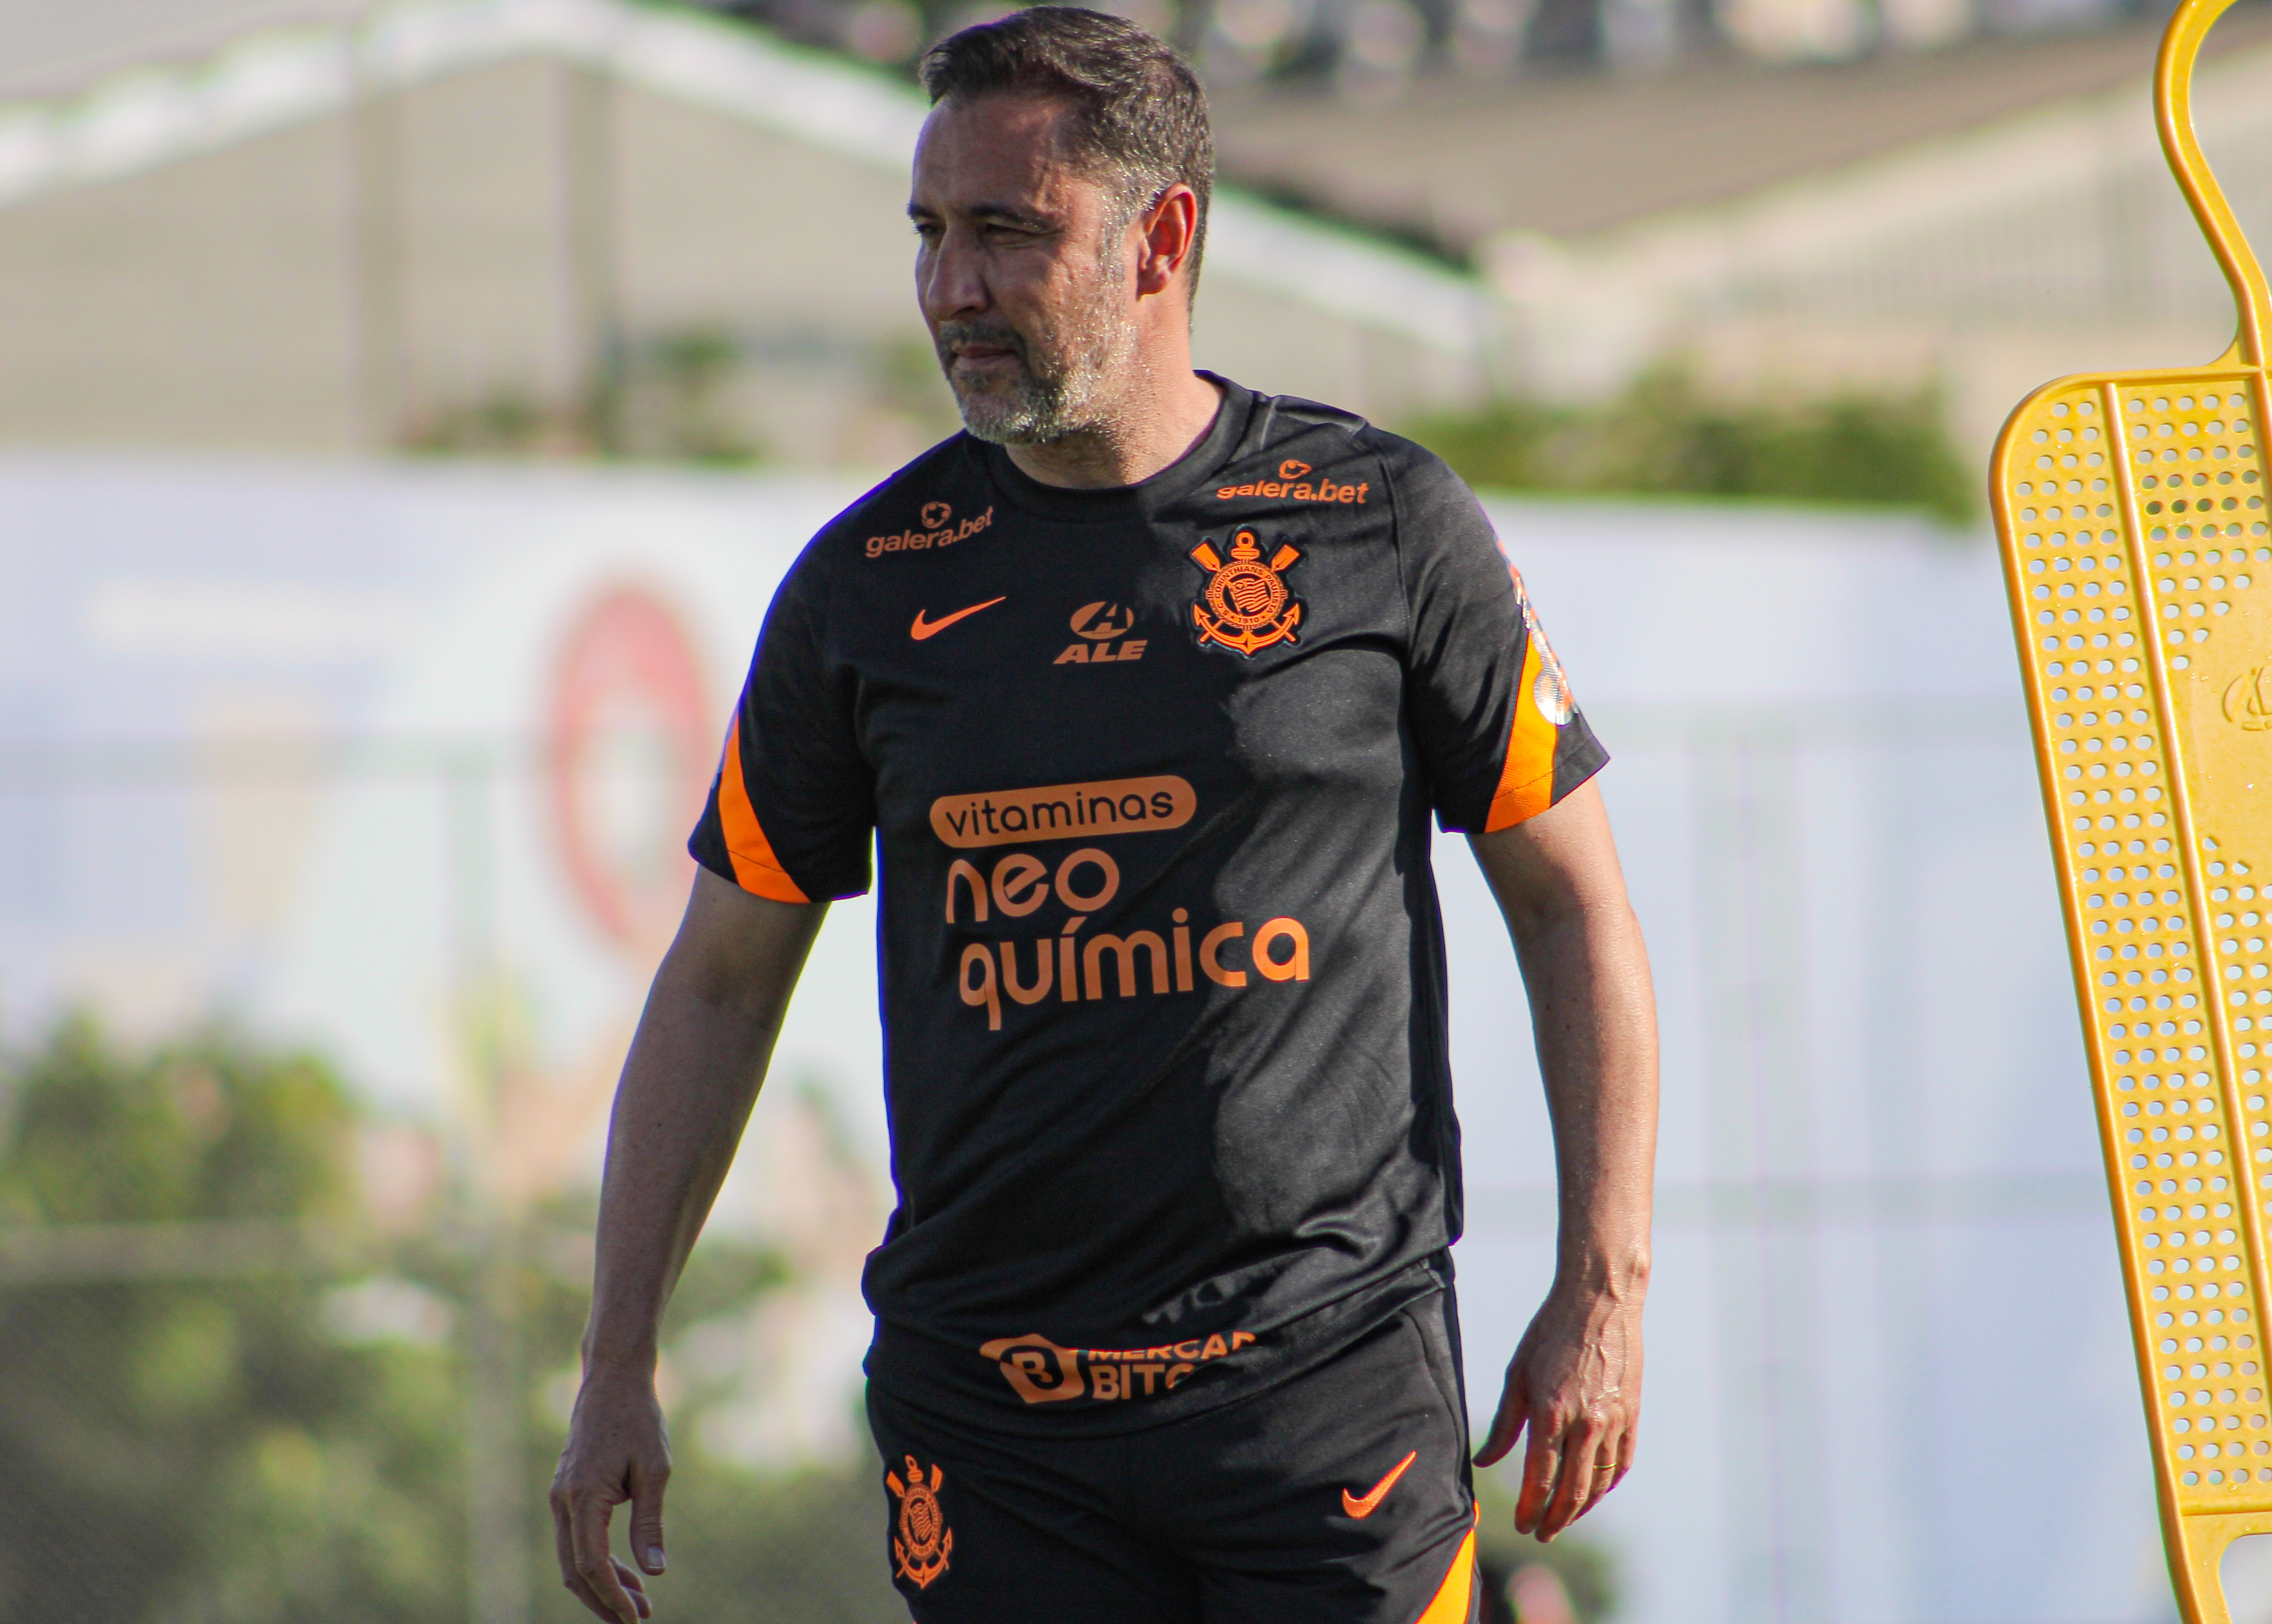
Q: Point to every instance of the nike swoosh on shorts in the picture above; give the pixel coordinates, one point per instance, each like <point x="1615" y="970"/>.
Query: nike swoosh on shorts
<point x="923" y="628"/>
<point x="1363" y="1509"/>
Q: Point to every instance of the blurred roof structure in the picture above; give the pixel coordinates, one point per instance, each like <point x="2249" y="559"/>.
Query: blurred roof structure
<point x="52" y="49"/>
<point x="484" y="200"/>
<point x="1574" y="155"/>
<point x="1454" y="158"/>
<point x="461" y="202"/>
<point x="1985" y="258"/>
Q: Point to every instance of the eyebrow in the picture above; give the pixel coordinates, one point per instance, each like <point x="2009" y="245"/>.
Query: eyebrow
<point x="1002" y="211"/>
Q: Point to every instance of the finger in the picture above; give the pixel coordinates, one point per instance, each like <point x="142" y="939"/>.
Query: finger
<point x="564" y="1542"/>
<point x="1506" y="1425"/>
<point x="1540" y="1463"/>
<point x="1626" y="1441"/>
<point x="582" y="1591"/>
<point x="646" y="1515"/>
<point x="1573" y="1490"/>
<point x="637" y="1592"/>
<point x="1570" y="1479"/>
<point x="589" y="1519"/>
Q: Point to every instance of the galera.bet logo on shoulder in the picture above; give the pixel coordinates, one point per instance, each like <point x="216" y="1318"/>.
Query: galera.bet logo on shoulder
<point x="938" y="529"/>
<point x="1294" y="484"/>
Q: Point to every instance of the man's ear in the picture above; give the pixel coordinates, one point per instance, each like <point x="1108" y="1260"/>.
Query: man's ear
<point x="1168" y="232"/>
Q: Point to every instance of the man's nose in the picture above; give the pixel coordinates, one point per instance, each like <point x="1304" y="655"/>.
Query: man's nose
<point x="950" y="282"/>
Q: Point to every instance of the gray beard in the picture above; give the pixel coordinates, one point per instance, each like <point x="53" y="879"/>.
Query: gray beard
<point x="1058" y="396"/>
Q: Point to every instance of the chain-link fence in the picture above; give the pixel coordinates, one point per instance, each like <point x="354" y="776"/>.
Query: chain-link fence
<point x="271" y="1351"/>
<point x="274" y="1348"/>
<point x="231" y="1390"/>
<point x="268" y="1352"/>
<point x="231" y="1393"/>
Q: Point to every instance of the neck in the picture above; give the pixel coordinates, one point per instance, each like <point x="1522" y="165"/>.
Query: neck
<point x="1162" y="415"/>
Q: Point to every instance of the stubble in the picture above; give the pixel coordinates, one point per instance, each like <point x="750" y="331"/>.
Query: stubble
<point x="1067" y="369"/>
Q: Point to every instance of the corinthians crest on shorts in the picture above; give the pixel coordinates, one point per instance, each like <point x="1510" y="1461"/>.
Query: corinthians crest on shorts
<point x="1245" y="606"/>
<point x="922" y="1541"/>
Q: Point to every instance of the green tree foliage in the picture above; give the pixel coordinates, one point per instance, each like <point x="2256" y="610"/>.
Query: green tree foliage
<point x="212" y="1445"/>
<point x="1664" y="436"/>
<point x="804" y="1546"/>
<point x="189" y="1450"/>
<point x="664" y="400"/>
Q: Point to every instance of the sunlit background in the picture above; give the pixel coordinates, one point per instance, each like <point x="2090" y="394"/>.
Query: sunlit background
<point x="405" y="413"/>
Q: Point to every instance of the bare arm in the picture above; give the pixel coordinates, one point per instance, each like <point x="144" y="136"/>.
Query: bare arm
<point x="693" y="1073"/>
<point x="1576" y="1379"/>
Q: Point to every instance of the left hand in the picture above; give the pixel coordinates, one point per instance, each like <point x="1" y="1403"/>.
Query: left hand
<point x="1575" y="1383"/>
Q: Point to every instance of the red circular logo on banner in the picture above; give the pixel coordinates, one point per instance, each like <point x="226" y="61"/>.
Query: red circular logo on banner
<point x="632" y="761"/>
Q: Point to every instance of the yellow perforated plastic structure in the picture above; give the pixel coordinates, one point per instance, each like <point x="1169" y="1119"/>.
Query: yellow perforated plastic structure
<point x="2131" y="510"/>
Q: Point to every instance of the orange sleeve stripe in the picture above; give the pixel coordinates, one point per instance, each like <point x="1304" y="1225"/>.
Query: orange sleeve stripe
<point x="756" y="869"/>
<point x="1455" y="1600"/>
<point x="1526" y="784"/>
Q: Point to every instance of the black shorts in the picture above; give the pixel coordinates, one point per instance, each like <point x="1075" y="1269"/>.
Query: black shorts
<point x="1339" y="1496"/>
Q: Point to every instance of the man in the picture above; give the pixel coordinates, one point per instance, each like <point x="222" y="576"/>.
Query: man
<point x="1146" y="688"/>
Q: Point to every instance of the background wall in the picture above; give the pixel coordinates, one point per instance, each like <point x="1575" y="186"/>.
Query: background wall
<point x="288" y="743"/>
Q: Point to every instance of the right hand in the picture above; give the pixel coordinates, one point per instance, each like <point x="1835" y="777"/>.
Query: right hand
<point x="618" y="1449"/>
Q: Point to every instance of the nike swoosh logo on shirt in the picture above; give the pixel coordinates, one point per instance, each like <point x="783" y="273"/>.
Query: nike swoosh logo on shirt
<point x="1363" y="1509"/>
<point x="923" y="628"/>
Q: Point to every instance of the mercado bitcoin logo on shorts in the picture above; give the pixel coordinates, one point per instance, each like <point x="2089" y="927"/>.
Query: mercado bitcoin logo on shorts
<point x="1041" y="1373"/>
<point x="1063" y="811"/>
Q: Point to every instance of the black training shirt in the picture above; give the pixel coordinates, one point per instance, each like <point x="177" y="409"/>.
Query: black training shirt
<point x="1163" y="996"/>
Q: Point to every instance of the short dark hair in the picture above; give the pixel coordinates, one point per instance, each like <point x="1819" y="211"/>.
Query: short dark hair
<point x="1139" y="115"/>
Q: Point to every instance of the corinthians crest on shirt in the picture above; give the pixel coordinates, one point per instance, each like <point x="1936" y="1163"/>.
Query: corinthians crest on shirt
<point x="1245" y="605"/>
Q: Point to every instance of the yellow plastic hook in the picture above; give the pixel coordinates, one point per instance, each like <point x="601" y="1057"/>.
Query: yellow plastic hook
<point x="2173" y="114"/>
<point x="2130" y="508"/>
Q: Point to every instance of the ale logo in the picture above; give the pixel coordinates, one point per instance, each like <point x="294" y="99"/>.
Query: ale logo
<point x="1292" y="469"/>
<point x="1098" y="624"/>
<point x="935" y="515"/>
<point x="1245" y="606"/>
<point x="922" y="1541"/>
<point x="1101" y="622"/>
